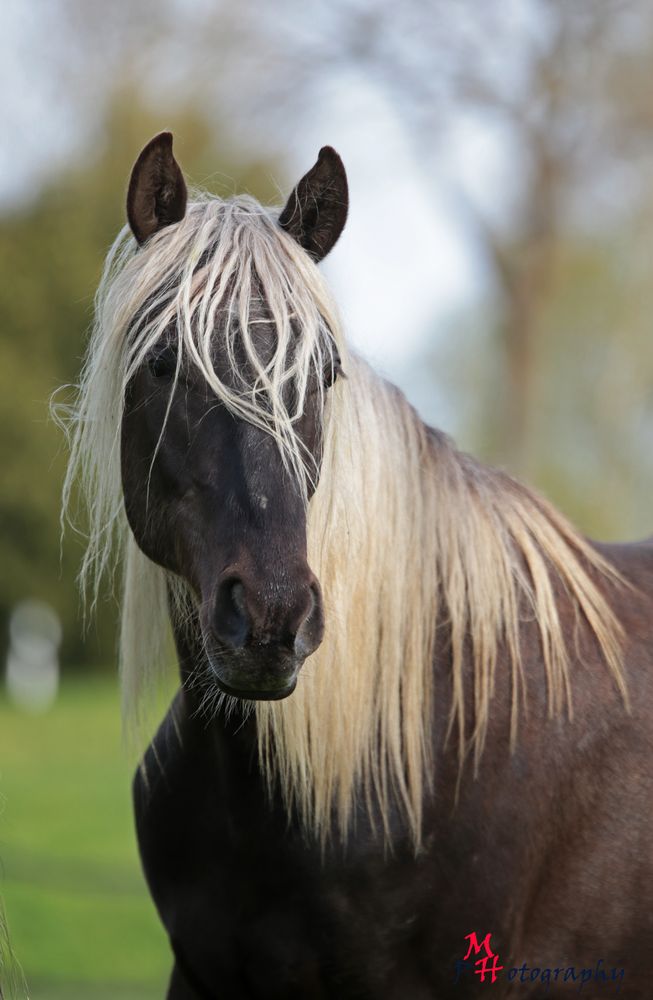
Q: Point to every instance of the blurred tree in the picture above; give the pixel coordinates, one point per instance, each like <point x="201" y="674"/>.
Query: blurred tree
<point x="591" y="398"/>
<point x="51" y="253"/>
<point x="559" y="94"/>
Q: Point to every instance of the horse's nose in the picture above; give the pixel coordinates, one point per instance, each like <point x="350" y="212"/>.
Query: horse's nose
<point x="232" y="623"/>
<point x="293" y="618"/>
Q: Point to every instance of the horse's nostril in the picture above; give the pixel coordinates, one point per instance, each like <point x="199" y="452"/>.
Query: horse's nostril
<point x="232" y="623"/>
<point x="238" y="597"/>
<point x="292" y="622"/>
<point x="309" y="634"/>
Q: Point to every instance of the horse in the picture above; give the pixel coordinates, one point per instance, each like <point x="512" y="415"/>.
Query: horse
<point x="410" y="750"/>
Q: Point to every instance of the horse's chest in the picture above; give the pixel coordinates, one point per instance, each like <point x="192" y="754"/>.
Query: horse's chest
<point x="249" y="904"/>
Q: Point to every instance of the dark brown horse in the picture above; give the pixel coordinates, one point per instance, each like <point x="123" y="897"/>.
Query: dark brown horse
<point x="411" y="751"/>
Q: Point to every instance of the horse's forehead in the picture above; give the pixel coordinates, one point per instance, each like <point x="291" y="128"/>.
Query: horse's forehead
<point x="233" y="344"/>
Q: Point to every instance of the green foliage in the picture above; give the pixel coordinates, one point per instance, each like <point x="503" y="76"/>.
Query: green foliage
<point x="590" y="412"/>
<point x="51" y="256"/>
<point x="593" y="415"/>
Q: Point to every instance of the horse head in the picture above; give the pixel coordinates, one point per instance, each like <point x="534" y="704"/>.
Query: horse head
<point x="221" y="436"/>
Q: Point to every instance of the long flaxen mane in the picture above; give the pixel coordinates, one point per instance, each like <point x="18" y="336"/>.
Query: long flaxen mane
<point x="406" y="534"/>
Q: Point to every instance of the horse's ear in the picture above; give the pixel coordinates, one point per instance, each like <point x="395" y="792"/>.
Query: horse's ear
<point x="316" y="212"/>
<point x="157" y="190"/>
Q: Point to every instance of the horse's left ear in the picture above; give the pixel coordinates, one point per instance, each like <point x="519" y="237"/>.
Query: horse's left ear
<point x="157" y="190"/>
<point x="316" y="212"/>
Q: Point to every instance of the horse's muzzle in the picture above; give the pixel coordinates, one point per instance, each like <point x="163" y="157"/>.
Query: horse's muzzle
<point x="259" y="635"/>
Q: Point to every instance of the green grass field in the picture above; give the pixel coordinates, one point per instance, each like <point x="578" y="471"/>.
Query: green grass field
<point x="81" y="922"/>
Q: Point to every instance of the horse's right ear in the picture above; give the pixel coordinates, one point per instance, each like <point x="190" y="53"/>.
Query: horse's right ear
<point x="316" y="212"/>
<point x="157" y="191"/>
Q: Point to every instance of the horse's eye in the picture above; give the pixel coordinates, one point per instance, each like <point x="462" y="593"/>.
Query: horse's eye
<point x="332" y="370"/>
<point x="163" y="363"/>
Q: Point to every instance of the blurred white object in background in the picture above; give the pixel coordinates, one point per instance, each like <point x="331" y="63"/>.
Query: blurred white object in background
<point x="33" y="659"/>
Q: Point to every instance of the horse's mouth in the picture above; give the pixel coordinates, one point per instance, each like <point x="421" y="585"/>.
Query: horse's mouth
<point x="265" y="674"/>
<point x="254" y="694"/>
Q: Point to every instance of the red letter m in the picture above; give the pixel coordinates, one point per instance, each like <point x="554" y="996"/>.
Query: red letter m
<point x="478" y="948"/>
